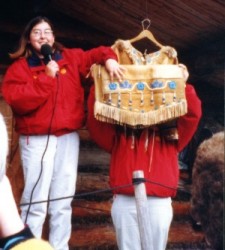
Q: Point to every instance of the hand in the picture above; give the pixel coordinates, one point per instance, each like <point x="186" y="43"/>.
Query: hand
<point x="52" y="68"/>
<point x="10" y="221"/>
<point x="185" y="71"/>
<point x="115" y="69"/>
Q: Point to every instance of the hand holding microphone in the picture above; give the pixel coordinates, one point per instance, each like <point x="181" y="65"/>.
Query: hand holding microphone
<point x="51" y="66"/>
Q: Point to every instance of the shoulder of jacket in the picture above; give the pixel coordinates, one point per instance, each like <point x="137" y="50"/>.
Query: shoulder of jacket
<point x="20" y="62"/>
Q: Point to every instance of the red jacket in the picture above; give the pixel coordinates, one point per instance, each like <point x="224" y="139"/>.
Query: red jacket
<point x="159" y="161"/>
<point x="34" y="96"/>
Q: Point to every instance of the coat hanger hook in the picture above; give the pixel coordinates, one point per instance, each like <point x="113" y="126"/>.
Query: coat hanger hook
<point x="147" y="21"/>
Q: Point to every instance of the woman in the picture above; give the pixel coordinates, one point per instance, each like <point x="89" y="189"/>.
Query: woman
<point x="47" y="100"/>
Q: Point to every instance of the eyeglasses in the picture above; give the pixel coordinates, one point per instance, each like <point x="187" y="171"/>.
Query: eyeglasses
<point x="37" y="33"/>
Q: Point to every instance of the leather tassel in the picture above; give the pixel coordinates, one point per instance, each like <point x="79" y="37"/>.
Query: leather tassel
<point x="146" y="139"/>
<point x="152" y="151"/>
<point x="132" y="140"/>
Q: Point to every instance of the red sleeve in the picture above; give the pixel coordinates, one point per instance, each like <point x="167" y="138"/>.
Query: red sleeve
<point x="101" y="132"/>
<point x="87" y="58"/>
<point x="187" y="124"/>
<point x="21" y="91"/>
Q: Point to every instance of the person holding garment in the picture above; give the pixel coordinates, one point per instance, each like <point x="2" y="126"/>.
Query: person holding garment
<point x="47" y="100"/>
<point x="148" y="150"/>
<point x="14" y="234"/>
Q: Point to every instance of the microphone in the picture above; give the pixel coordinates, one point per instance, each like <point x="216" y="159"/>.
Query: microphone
<point x="46" y="51"/>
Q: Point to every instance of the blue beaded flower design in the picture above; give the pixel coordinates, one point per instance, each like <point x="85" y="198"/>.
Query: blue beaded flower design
<point x="172" y="85"/>
<point x="140" y="86"/>
<point x="112" y="86"/>
<point x="125" y="85"/>
<point x="156" y="84"/>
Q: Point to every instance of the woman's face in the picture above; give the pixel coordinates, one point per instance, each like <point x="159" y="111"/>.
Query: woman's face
<point x="41" y="34"/>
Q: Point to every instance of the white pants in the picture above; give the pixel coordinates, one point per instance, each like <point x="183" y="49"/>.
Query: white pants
<point x="58" y="174"/>
<point x="124" y="216"/>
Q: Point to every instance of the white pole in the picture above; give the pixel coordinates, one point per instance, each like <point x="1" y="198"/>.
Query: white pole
<point x="142" y="211"/>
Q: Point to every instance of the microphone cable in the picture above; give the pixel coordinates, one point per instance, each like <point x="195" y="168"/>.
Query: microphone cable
<point x="45" y="150"/>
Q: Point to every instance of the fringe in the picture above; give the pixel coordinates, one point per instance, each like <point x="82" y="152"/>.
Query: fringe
<point x="111" y="114"/>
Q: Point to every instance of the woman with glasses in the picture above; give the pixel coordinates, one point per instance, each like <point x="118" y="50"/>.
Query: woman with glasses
<point x="45" y="93"/>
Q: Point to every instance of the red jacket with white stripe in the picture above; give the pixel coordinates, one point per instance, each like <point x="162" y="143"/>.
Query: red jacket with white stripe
<point x="158" y="159"/>
<point x="34" y="96"/>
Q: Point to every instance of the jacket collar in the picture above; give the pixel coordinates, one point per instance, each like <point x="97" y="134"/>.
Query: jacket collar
<point x="34" y="60"/>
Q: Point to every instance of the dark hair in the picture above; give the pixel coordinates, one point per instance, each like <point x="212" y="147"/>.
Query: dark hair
<point x="207" y="189"/>
<point x="24" y="49"/>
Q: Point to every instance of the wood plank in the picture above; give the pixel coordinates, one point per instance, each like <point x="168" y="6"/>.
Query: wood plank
<point x="97" y="237"/>
<point x="92" y="237"/>
<point x="182" y="232"/>
<point x="84" y="208"/>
